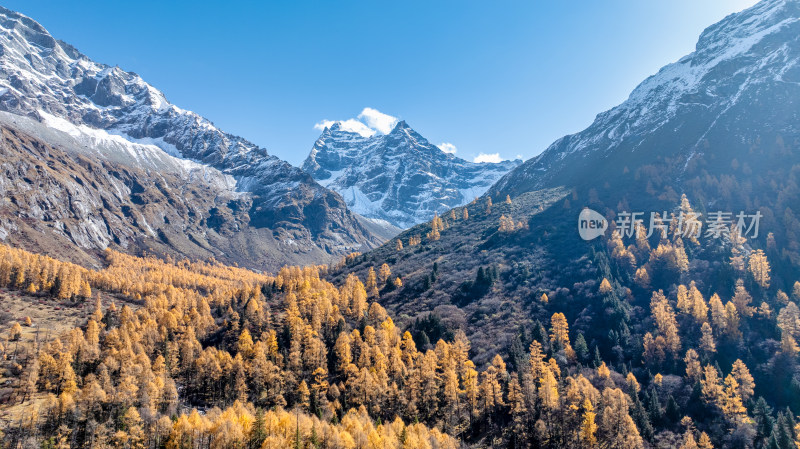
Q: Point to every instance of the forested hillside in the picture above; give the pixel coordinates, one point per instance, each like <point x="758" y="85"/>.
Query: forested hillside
<point x="215" y="356"/>
<point x="701" y="329"/>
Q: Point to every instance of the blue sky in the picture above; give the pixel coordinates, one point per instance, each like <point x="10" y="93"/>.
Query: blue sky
<point x="487" y="77"/>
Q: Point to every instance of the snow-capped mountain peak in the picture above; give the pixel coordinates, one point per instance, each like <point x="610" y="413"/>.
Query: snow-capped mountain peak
<point x="399" y="177"/>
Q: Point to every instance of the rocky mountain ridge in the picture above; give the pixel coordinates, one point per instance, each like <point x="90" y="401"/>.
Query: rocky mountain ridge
<point x="51" y="82"/>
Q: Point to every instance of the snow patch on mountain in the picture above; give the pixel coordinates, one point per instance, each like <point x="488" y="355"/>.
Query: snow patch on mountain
<point x="116" y="148"/>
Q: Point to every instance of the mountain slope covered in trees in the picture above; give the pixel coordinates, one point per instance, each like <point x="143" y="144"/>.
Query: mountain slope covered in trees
<point x="204" y="355"/>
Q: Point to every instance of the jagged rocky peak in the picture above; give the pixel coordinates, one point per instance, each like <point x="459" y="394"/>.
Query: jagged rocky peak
<point x="397" y="176"/>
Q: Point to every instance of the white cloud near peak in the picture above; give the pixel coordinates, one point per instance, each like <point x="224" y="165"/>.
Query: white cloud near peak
<point x="377" y="120"/>
<point x="448" y="148"/>
<point x="351" y="125"/>
<point x="368" y="123"/>
<point x="483" y="157"/>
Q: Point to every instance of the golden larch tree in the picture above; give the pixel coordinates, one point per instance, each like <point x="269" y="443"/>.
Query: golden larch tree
<point x="384" y="273"/>
<point x="759" y="268"/>
<point x="744" y="379"/>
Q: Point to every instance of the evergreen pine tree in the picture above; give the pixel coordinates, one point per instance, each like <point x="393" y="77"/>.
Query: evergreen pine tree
<point x="641" y="419"/>
<point x="672" y="411"/>
<point x="581" y="349"/>
<point x="654" y="410"/>
<point x="764" y="422"/>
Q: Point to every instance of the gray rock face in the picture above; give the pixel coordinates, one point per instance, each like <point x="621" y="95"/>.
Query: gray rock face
<point x="399" y="177"/>
<point x="740" y="86"/>
<point x="52" y="82"/>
